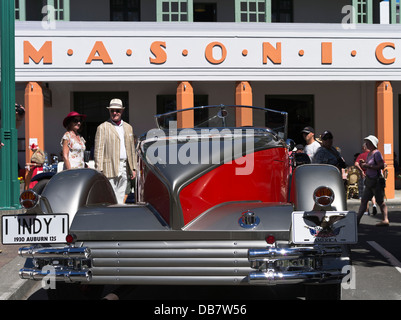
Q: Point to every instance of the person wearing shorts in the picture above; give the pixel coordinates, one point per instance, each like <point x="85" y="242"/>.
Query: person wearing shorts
<point x="373" y="187"/>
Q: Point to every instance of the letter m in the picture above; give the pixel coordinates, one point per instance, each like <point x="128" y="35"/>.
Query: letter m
<point x="45" y="53"/>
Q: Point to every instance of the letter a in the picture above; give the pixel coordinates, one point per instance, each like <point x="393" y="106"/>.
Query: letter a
<point x="102" y="54"/>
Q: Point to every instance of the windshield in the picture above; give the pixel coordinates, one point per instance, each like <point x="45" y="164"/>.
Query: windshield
<point x="226" y="116"/>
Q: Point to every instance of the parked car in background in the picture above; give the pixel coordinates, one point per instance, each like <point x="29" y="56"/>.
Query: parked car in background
<point x="217" y="204"/>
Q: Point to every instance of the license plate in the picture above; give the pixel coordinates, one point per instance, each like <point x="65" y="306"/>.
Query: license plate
<point x="34" y="228"/>
<point x="324" y="227"/>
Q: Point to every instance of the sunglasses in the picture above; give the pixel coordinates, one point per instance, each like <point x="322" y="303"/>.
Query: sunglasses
<point x="115" y="110"/>
<point x="76" y="120"/>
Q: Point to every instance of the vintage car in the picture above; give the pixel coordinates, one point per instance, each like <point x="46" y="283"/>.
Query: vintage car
<point x="217" y="204"/>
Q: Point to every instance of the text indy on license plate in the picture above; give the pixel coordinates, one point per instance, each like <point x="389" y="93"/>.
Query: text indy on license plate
<point x="32" y="228"/>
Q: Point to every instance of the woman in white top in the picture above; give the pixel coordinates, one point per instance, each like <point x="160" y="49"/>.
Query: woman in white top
<point x="72" y="142"/>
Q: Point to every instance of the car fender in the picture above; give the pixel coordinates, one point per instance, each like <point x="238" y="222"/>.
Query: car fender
<point x="308" y="177"/>
<point x="69" y="190"/>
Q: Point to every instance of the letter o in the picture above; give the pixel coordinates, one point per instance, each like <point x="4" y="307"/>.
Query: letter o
<point x="209" y="52"/>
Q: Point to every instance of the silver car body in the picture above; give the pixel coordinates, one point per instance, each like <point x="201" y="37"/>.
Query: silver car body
<point x="133" y="244"/>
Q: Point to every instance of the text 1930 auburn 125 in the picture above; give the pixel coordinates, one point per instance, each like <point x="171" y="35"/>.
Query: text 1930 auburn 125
<point x="217" y="204"/>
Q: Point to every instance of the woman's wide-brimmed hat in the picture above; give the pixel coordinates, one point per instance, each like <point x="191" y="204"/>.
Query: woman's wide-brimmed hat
<point x="71" y="115"/>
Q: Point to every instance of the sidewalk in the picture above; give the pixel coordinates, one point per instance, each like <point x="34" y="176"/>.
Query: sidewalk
<point x="14" y="288"/>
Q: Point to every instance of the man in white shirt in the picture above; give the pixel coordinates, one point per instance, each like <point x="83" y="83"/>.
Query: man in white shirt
<point x="311" y="144"/>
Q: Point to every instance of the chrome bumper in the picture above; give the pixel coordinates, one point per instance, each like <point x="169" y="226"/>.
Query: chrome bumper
<point x="177" y="262"/>
<point x="294" y="265"/>
<point x="69" y="264"/>
<point x="59" y="274"/>
<point x="52" y="252"/>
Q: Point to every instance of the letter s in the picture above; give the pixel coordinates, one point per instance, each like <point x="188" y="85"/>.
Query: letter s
<point x="157" y="50"/>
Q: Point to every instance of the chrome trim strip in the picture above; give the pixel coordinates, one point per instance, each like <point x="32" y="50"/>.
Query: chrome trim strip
<point x="54" y="252"/>
<point x="272" y="277"/>
<point x="59" y="274"/>
<point x="291" y="253"/>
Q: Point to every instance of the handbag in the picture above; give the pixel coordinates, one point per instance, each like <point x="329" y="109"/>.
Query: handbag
<point x="38" y="156"/>
<point x="382" y="181"/>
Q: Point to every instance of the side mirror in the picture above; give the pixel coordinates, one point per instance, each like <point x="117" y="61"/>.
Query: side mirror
<point x="290" y="144"/>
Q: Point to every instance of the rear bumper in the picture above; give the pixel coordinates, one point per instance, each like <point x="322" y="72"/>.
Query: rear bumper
<point x="315" y="264"/>
<point x="184" y="263"/>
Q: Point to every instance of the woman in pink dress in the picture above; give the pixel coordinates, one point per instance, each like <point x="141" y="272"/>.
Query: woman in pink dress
<point x="72" y="143"/>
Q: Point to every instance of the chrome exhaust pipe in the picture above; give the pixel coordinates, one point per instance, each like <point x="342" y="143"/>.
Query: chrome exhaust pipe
<point x="272" y="277"/>
<point x="290" y="253"/>
<point x="54" y="252"/>
<point x="60" y="275"/>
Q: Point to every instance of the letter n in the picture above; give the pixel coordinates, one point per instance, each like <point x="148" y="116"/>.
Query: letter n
<point x="274" y="54"/>
<point x="45" y="53"/>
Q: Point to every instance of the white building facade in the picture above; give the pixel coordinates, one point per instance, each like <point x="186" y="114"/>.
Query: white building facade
<point x="330" y="64"/>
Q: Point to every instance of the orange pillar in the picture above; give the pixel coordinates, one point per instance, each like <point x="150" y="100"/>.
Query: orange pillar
<point x="34" y="124"/>
<point x="185" y="100"/>
<point x="243" y="97"/>
<point x="385" y="132"/>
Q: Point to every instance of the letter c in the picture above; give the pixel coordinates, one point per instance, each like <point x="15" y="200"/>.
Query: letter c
<point x="379" y="53"/>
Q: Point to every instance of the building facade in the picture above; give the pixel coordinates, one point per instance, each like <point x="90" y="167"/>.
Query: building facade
<point x="333" y="65"/>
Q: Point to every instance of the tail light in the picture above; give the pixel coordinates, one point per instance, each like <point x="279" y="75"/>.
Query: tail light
<point x="270" y="239"/>
<point x="29" y="199"/>
<point x="70" y="238"/>
<point x="323" y="196"/>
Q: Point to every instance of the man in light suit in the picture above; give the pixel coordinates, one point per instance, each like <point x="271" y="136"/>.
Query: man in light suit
<point x="115" y="150"/>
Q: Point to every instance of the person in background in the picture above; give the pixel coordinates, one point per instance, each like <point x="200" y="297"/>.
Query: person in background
<point x="311" y="144"/>
<point x="327" y="153"/>
<point x="19" y="115"/>
<point x="114" y="153"/>
<point x="374" y="185"/>
<point x="362" y="156"/>
<point x="300" y="148"/>
<point x="72" y="143"/>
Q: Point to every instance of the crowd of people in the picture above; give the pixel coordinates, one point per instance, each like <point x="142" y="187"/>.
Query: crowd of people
<point x="115" y="157"/>
<point x="370" y="164"/>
